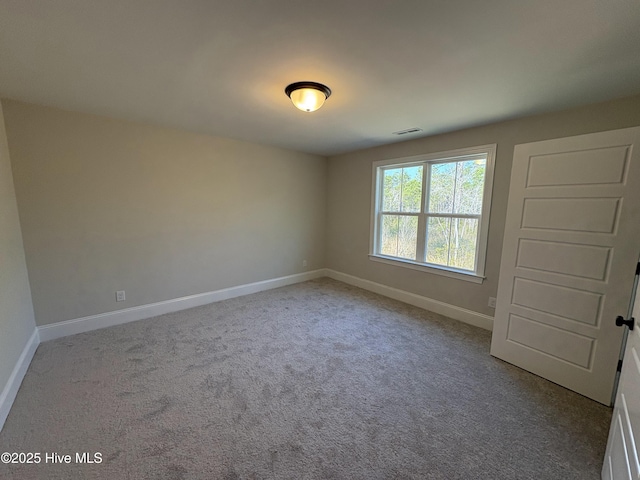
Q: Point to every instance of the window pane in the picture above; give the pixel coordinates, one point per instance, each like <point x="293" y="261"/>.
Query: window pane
<point x="407" y="237"/>
<point x="469" y="187"/>
<point x="438" y="229"/>
<point x="402" y="189"/>
<point x="399" y="236"/>
<point x="442" y="185"/>
<point x="389" y="235"/>
<point x="391" y="190"/>
<point x="411" y="189"/>
<point x="462" y="243"/>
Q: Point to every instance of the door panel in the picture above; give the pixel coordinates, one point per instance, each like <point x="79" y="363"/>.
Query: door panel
<point x="582" y="261"/>
<point x="621" y="460"/>
<point x="568" y="263"/>
<point x="591" y="215"/>
<point x="562" y="301"/>
<point x="596" y="166"/>
<point x="562" y="344"/>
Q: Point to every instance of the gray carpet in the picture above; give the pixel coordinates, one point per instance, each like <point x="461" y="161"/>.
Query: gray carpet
<point x="318" y="380"/>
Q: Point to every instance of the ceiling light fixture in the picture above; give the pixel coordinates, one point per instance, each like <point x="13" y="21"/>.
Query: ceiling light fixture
<point x="307" y="96"/>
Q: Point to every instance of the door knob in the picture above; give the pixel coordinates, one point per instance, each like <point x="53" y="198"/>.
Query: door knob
<point x="620" y="321"/>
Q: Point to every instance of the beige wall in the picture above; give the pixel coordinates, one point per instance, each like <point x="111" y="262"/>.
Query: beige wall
<point x="111" y="205"/>
<point x="16" y="311"/>
<point x="349" y="196"/>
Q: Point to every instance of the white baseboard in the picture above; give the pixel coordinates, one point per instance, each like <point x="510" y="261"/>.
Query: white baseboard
<point x="457" y="313"/>
<point x="12" y="386"/>
<point x="102" y="320"/>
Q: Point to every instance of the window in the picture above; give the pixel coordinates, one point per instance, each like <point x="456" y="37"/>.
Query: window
<point x="431" y="212"/>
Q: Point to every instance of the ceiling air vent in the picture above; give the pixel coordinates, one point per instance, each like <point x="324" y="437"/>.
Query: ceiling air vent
<point x="408" y="130"/>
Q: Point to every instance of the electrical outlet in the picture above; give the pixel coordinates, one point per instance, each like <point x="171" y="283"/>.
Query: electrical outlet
<point x="492" y="302"/>
<point x="120" y="296"/>
<point x="304" y="263"/>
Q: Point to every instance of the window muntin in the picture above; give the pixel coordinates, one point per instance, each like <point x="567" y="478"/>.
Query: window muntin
<point x="433" y="210"/>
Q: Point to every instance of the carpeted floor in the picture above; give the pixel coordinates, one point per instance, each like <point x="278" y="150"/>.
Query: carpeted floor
<point x="318" y="380"/>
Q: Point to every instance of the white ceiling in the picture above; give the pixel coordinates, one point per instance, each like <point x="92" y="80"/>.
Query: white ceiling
<point x="220" y="66"/>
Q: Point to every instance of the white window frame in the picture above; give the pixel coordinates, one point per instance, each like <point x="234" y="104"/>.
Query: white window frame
<point x="477" y="275"/>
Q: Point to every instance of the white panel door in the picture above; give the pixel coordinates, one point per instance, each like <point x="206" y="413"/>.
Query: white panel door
<point x="569" y="257"/>
<point x="621" y="460"/>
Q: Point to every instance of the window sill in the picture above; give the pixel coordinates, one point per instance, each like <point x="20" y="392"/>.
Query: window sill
<point x="466" y="276"/>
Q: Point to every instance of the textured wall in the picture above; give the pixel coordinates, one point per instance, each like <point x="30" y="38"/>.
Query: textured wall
<point x="16" y="311"/>
<point x="111" y="205"/>
<point x="349" y="196"/>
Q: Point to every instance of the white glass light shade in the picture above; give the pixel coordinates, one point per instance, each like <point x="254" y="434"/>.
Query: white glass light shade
<point x="308" y="96"/>
<point x="308" y="99"/>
